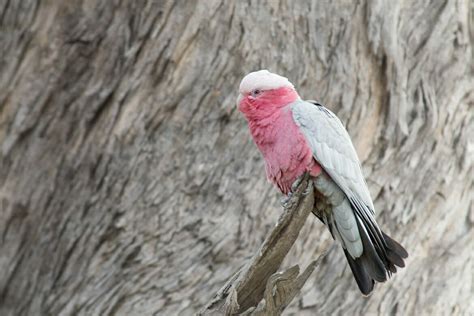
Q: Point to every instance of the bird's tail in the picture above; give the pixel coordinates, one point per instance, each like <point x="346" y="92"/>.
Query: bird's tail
<point x="379" y="259"/>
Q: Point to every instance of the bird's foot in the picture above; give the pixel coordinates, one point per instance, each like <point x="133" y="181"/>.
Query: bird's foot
<point x="296" y="192"/>
<point x="285" y="201"/>
<point x="297" y="183"/>
<point x="308" y="189"/>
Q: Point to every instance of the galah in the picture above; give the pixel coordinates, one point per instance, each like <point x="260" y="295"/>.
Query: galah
<point x="296" y="137"/>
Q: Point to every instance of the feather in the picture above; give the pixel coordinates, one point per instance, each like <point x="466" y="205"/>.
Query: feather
<point x="370" y="258"/>
<point x="365" y="283"/>
<point x="333" y="150"/>
<point x="395" y="246"/>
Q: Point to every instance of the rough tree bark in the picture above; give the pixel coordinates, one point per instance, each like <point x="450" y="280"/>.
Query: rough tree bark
<point x="128" y="181"/>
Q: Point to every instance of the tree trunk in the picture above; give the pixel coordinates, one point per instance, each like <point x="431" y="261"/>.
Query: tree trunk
<point x="129" y="183"/>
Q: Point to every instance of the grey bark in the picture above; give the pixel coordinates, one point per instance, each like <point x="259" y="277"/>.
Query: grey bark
<point x="129" y="184"/>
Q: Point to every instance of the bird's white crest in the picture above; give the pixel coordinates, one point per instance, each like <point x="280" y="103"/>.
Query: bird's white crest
<point x="263" y="80"/>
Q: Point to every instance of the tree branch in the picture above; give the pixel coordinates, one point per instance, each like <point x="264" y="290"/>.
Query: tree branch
<point x="256" y="289"/>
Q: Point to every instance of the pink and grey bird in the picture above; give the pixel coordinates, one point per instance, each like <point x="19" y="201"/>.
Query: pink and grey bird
<point x="297" y="136"/>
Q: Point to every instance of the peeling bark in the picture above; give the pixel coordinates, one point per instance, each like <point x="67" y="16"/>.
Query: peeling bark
<point x="129" y="184"/>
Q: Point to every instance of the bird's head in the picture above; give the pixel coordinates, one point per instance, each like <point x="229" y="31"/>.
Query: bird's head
<point x="262" y="93"/>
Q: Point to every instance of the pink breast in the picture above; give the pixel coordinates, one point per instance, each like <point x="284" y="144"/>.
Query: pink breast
<point x="285" y="149"/>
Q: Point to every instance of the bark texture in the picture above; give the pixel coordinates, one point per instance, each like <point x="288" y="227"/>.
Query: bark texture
<point x="129" y="184"/>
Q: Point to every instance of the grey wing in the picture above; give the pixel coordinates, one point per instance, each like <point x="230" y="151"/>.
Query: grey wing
<point x="333" y="150"/>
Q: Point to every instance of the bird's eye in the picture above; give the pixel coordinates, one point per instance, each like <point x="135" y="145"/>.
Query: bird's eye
<point x="256" y="92"/>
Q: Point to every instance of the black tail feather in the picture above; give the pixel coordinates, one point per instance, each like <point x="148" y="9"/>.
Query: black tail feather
<point x="375" y="264"/>
<point x="395" y="259"/>
<point x="395" y="246"/>
<point x="370" y="259"/>
<point x="365" y="283"/>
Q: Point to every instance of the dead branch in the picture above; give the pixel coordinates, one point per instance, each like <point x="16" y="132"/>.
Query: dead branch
<point x="257" y="288"/>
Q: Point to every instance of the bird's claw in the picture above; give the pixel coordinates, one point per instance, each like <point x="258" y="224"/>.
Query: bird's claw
<point x="297" y="183"/>
<point x="308" y="189"/>
<point x="285" y="201"/>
